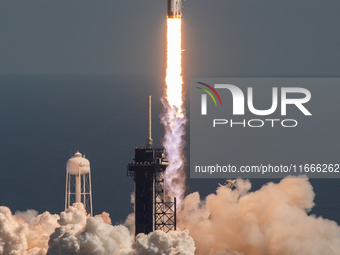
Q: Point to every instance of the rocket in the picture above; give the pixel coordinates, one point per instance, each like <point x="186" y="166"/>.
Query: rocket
<point x="174" y="9"/>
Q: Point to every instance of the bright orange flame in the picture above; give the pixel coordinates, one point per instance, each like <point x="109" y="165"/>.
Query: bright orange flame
<point x="174" y="118"/>
<point x="174" y="79"/>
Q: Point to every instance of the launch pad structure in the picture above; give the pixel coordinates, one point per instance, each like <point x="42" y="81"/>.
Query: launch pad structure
<point x="152" y="212"/>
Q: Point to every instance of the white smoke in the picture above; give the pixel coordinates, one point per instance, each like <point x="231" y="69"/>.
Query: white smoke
<point x="25" y="233"/>
<point x="27" y="216"/>
<point x="174" y="121"/>
<point x="74" y="232"/>
<point x="83" y="235"/>
<point x="79" y="234"/>
<point x="130" y="219"/>
<point x="173" y="117"/>
<point x="272" y="220"/>
<point x="158" y="242"/>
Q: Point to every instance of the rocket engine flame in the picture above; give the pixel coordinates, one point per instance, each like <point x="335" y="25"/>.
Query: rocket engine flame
<point x="174" y="79"/>
<point x="174" y="117"/>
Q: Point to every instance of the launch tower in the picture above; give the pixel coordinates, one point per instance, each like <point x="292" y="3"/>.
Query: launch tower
<point x="147" y="170"/>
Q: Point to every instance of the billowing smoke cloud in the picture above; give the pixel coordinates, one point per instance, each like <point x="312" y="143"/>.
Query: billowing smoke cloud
<point x="73" y="232"/>
<point x="158" y="242"/>
<point x="174" y="122"/>
<point x="25" y="233"/>
<point x="272" y="220"/>
<point x="79" y="234"/>
<point x="130" y="219"/>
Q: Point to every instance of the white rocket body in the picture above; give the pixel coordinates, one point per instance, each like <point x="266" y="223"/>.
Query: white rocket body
<point x="174" y="9"/>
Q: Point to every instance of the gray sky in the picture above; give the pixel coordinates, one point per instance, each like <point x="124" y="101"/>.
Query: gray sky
<point x="247" y="38"/>
<point x="126" y="39"/>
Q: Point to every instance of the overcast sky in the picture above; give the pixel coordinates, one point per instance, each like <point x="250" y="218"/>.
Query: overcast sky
<point x="243" y="37"/>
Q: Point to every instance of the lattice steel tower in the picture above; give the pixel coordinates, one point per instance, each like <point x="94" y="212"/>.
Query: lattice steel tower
<point x="147" y="170"/>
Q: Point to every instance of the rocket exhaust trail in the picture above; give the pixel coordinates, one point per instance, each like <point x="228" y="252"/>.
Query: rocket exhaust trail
<point x="174" y="118"/>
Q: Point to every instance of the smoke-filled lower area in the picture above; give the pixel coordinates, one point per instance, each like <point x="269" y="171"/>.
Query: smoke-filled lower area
<point x="271" y="220"/>
<point x="73" y="232"/>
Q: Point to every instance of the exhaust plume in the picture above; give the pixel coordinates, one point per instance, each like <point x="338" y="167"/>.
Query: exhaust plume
<point x="74" y="232"/>
<point x="174" y="116"/>
<point x="272" y="220"/>
<point x="79" y="234"/>
<point x="25" y="233"/>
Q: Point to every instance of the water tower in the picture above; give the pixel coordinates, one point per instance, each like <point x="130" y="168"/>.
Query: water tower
<point x="78" y="182"/>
